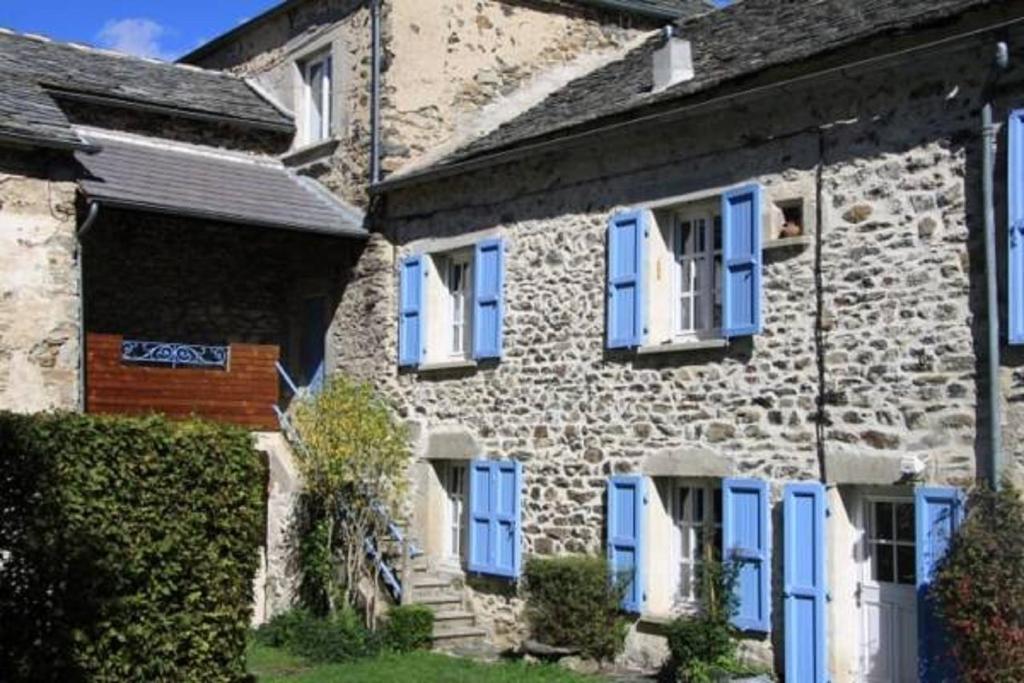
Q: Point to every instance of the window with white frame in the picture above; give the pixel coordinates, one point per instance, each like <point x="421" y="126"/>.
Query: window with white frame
<point x="696" y="511"/>
<point x="696" y="300"/>
<point x="318" y="77"/>
<point x="891" y="544"/>
<point x="458" y="282"/>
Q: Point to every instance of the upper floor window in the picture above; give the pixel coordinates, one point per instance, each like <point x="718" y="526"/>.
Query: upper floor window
<point x="451" y="305"/>
<point x="459" y="275"/>
<point x="696" y="244"/>
<point x="318" y="77"/>
<point x="688" y="272"/>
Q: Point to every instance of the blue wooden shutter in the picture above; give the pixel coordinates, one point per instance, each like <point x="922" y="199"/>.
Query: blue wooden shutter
<point x="488" y="306"/>
<point x="495" y="534"/>
<point x="938" y="512"/>
<point x="506" y="485"/>
<point x="627" y="253"/>
<point x="746" y="541"/>
<point x="410" y="311"/>
<point x="741" y="257"/>
<point x="311" y="351"/>
<point x="804" y="582"/>
<point x="1015" y="226"/>
<point x="627" y="498"/>
<point x="480" y="550"/>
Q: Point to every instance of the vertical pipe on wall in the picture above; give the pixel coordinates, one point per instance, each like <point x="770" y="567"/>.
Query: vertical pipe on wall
<point x="821" y="418"/>
<point x="988" y="145"/>
<point x="90" y="218"/>
<point x="375" y="9"/>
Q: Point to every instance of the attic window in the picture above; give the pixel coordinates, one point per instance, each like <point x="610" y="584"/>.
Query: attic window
<point x="318" y="76"/>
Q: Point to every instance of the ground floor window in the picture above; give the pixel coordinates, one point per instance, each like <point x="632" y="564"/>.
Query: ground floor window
<point x="454" y="478"/>
<point x="696" y="511"/>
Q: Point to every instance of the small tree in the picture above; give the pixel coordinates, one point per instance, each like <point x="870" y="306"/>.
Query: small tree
<point x="354" y="468"/>
<point x="979" y="589"/>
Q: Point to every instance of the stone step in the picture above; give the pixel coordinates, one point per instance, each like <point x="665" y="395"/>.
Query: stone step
<point x="453" y="618"/>
<point x="437" y="600"/>
<point x="453" y="635"/>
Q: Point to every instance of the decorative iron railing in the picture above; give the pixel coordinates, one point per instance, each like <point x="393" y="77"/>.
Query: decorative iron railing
<point x="386" y="571"/>
<point x="174" y="354"/>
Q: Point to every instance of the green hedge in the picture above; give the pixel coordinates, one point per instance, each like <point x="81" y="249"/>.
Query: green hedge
<point x="127" y="548"/>
<point x="571" y="602"/>
<point x="407" y="628"/>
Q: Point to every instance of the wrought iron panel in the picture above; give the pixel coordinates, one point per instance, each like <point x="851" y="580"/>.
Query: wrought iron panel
<point x="175" y="355"/>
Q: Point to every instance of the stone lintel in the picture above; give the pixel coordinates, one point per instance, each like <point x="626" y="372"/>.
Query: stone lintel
<point x="687" y="462"/>
<point x="854" y="468"/>
<point x="452" y="443"/>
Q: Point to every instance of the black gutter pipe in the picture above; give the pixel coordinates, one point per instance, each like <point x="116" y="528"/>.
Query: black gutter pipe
<point x="90" y="218"/>
<point x="375" y="92"/>
<point x="988" y="148"/>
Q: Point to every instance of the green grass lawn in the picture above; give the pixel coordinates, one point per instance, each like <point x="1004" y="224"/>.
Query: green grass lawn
<point x="271" y="665"/>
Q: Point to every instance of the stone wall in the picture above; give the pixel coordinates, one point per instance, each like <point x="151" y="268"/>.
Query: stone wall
<point x="39" y="310"/>
<point x="441" y="68"/>
<point x="886" y="367"/>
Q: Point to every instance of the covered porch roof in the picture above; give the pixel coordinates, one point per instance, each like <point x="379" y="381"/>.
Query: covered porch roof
<point x="149" y="174"/>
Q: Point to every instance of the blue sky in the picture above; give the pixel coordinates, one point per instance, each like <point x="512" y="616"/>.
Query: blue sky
<point x="151" y="28"/>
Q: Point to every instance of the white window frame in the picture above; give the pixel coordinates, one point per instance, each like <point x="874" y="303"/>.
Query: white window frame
<point x="456" y="478"/>
<point x="459" y="304"/>
<point x="696" y="258"/>
<point x="688" y="533"/>
<point x="871" y="539"/>
<point x="313" y="133"/>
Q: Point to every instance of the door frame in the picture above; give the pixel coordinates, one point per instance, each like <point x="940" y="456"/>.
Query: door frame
<point x="868" y="496"/>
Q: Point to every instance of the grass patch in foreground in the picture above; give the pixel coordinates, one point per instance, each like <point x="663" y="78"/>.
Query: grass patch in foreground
<point x="271" y="665"/>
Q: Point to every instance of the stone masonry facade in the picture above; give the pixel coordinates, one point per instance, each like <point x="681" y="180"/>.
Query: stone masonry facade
<point x="440" y="68"/>
<point x="39" y="345"/>
<point x="883" y="367"/>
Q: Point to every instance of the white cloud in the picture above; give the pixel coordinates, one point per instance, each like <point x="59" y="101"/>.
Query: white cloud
<point x="139" y="37"/>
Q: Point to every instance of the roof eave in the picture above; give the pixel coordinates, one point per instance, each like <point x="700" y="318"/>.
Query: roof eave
<point x="138" y="105"/>
<point x="224" y="217"/>
<point x="208" y="47"/>
<point x="19" y="140"/>
<point x="629" y="8"/>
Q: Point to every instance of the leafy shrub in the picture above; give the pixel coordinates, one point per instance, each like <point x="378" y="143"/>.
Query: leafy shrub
<point x="129" y="548"/>
<point x="570" y="602"/>
<point x="408" y="628"/>
<point x="340" y="637"/>
<point x="701" y="645"/>
<point x="978" y="590"/>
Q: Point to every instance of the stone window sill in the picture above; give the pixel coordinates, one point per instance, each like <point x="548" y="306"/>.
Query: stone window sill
<point x="783" y="242"/>
<point x="678" y="347"/>
<point x="447" y="366"/>
<point x="310" y="153"/>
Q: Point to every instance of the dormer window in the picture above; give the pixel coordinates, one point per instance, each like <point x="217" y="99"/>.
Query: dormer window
<point x="318" y="76"/>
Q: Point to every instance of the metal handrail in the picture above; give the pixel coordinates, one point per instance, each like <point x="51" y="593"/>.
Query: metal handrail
<point x="387" y="573"/>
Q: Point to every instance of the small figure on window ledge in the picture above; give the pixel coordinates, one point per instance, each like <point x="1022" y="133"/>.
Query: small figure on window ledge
<point x="791" y="229"/>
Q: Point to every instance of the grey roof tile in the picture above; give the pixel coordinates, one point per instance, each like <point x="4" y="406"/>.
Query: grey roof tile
<point x="150" y="174"/>
<point x="737" y="41"/>
<point x="32" y="68"/>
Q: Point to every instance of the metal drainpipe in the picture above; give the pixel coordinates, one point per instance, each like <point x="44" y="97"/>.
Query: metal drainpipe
<point x="375" y="92"/>
<point x="90" y="218"/>
<point x="988" y="141"/>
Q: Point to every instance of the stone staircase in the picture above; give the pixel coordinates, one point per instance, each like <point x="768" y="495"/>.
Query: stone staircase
<point x="456" y="628"/>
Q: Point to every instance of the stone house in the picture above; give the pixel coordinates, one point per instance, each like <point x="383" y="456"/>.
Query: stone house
<point x="643" y="279"/>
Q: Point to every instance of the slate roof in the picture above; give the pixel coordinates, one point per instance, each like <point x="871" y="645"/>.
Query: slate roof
<point x="656" y="9"/>
<point x="740" y="40"/>
<point x="33" y="69"/>
<point x="148" y="174"/>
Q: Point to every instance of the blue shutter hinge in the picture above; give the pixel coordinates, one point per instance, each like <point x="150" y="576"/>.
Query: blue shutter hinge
<point x="828" y="596"/>
<point x="828" y="512"/>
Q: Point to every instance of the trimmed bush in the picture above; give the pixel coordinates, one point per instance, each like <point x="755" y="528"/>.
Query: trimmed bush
<point x="338" y="638"/>
<point x="570" y="602"/>
<point x="127" y="548"/>
<point x="408" y="628"/>
<point x="979" y="589"/>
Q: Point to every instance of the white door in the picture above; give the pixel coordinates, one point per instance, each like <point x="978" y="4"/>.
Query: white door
<point x="887" y="592"/>
<point x="455" y="488"/>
